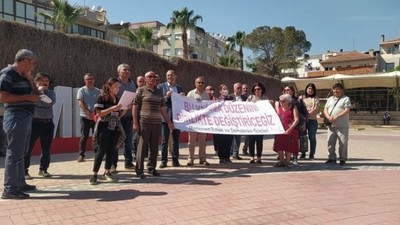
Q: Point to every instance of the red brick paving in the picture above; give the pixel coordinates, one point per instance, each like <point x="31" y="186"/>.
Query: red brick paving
<point x="365" y="191"/>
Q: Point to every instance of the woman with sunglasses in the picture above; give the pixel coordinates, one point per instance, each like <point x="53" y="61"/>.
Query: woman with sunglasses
<point x="258" y="91"/>
<point x="288" y="142"/>
<point x="302" y="110"/>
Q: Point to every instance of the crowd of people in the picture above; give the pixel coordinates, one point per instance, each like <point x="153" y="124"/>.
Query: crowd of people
<point x="28" y="116"/>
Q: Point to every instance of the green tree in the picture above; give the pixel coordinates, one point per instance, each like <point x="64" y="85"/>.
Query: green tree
<point x="142" y="38"/>
<point x="63" y="14"/>
<point x="275" y="48"/>
<point x="184" y="20"/>
<point x="239" y="40"/>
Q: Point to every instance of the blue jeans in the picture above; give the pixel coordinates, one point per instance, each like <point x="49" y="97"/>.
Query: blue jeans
<point x="43" y="130"/>
<point x="312" y="126"/>
<point x="236" y="145"/>
<point x="164" y="144"/>
<point x="128" y="128"/>
<point x="17" y="125"/>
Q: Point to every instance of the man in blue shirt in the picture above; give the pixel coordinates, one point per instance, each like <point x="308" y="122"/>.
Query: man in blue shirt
<point x="126" y="84"/>
<point x="19" y="93"/>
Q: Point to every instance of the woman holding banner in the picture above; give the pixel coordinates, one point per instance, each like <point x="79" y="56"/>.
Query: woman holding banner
<point x="223" y="141"/>
<point x="258" y="91"/>
<point x="289" y="141"/>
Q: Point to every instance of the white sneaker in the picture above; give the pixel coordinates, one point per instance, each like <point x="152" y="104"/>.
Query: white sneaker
<point x="109" y="177"/>
<point x="295" y="163"/>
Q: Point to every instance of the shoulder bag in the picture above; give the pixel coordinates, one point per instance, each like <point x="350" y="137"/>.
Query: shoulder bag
<point x="328" y="123"/>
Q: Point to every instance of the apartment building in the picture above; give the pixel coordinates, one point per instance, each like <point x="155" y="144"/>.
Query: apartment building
<point x="92" y="22"/>
<point x="389" y="54"/>
<point x="201" y="45"/>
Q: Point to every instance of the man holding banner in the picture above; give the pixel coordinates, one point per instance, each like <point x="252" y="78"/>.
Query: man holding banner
<point x="199" y="94"/>
<point x="167" y="89"/>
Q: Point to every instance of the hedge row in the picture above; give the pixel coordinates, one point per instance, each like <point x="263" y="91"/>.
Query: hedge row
<point x="67" y="57"/>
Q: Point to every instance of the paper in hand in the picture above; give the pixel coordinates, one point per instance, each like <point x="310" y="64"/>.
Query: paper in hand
<point x="126" y="99"/>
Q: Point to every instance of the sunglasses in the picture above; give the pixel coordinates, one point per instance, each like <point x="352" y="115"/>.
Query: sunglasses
<point x="200" y="82"/>
<point x="211" y="89"/>
<point x="257" y="89"/>
<point x="287" y="89"/>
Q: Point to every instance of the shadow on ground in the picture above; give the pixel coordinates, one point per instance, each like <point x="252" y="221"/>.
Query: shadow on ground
<point x="119" y="195"/>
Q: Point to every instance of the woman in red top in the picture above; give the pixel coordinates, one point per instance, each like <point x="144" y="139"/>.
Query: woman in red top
<point x="289" y="141"/>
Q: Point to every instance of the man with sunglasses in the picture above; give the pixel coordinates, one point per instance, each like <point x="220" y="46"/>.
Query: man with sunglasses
<point x="199" y="94"/>
<point x="19" y="93"/>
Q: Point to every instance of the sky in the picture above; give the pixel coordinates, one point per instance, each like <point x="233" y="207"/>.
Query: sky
<point x="330" y="25"/>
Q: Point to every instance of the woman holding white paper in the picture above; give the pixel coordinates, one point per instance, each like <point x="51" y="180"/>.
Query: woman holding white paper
<point x="108" y="131"/>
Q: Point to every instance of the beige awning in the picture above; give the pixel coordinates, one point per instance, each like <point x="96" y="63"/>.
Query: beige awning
<point x="349" y="81"/>
<point x="390" y="80"/>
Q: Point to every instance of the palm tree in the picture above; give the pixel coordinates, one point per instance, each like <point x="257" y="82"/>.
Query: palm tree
<point x="63" y="14"/>
<point x="142" y="38"/>
<point x="238" y="40"/>
<point x="229" y="60"/>
<point x="184" y="20"/>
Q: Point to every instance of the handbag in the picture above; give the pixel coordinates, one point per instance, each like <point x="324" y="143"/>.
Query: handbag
<point x="328" y="123"/>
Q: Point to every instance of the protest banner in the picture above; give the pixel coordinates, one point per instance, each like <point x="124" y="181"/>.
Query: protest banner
<point x="225" y="117"/>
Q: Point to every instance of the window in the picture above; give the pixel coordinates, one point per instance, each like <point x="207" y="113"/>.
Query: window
<point x="40" y="18"/>
<point x="1" y="7"/>
<point x="9" y="7"/>
<point x="166" y="52"/>
<point x="30" y="12"/>
<point x="49" y="27"/>
<point x="389" y="67"/>
<point x="20" y="9"/>
<point x="40" y="25"/>
<point x="75" y="29"/>
<point x="93" y="33"/>
<point x="21" y="20"/>
<point x="8" y="17"/>
<point x="178" y="51"/>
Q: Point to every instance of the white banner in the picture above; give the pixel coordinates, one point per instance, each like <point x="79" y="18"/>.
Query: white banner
<point x="225" y="117"/>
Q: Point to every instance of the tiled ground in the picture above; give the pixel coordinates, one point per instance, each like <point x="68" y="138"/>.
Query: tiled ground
<point x="365" y="191"/>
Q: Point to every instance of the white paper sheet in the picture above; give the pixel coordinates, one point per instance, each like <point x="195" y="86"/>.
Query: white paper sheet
<point x="126" y="99"/>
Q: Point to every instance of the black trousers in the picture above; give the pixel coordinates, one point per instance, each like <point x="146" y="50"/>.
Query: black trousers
<point x="107" y="146"/>
<point x="223" y="143"/>
<point x="253" y="140"/>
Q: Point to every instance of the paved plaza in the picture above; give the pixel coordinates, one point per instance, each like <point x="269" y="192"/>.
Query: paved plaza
<point x="364" y="191"/>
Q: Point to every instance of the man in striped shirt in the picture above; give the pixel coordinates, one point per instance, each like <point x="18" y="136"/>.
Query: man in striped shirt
<point x="149" y="103"/>
<point x="19" y="93"/>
